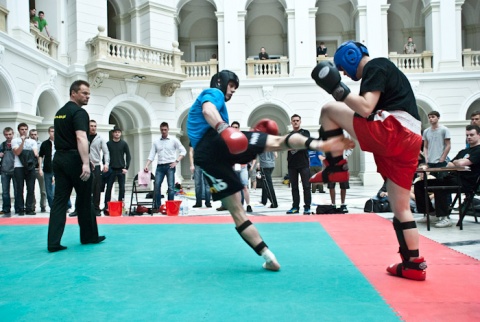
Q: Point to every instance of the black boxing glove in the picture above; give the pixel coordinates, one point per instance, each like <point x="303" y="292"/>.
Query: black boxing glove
<point x="327" y="76"/>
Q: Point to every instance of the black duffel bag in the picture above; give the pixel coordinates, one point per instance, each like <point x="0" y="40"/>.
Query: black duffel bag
<point x="374" y="205"/>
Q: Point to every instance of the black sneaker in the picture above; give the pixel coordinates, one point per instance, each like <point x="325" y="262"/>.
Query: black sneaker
<point x="249" y="208"/>
<point x="43" y="210"/>
<point x="73" y="214"/>
<point x="343" y="209"/>
<point x="208" y="205"/>
<point x="196" y="206"/>
<point x="30" y="213"/>
<point x="292" y="211"/>
<point x="306" y="211"/>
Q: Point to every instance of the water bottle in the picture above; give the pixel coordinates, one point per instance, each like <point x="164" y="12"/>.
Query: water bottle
<point x="185" y="207"/>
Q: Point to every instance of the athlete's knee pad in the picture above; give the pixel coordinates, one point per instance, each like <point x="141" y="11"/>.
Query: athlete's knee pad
<point x="256" y="248"/>
<point x="399" y="228"/>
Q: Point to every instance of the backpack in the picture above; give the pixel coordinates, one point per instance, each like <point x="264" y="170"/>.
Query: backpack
<point x="327" y="210"/>
<point x="374" y="205"/>
<point x="7" y="164"/>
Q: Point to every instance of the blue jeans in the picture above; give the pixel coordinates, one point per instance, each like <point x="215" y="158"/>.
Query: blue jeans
<point x="162" y="171"/>
<point x="49" y="187"/>
<point x="202" y="189"/>
<point x="117" y="173"/>
<point x="7" y="201"/>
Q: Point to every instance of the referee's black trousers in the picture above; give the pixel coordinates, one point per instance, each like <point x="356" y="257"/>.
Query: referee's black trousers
<point x="67" y="166"/>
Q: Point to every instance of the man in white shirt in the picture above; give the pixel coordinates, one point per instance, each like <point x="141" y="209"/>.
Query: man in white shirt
<point x="165" y="148"/>
<point x="24" y="174"/>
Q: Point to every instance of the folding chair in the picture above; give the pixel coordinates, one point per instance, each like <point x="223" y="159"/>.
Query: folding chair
<point x="136" y="201"/>
<point x="467" y="207"/>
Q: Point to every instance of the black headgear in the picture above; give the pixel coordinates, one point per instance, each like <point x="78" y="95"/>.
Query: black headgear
<point x="220" y="80"/>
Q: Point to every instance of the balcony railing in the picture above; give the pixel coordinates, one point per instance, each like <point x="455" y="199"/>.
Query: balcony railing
<point x="323" y="57"/>
<point x="44" y="44"/>
<point x="3" y="18"/>
<point x="471" y="59"/>
<point x="267" y="68"/>
<point x="124" y="52"/>
<point x="413" y="63"/>
<point x="200" y="70"/>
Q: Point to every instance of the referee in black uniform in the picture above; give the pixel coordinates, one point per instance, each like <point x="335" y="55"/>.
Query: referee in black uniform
<point x="71" y="166"/>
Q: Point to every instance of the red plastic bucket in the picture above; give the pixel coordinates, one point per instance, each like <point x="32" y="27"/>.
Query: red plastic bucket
<point x="173" y="207"/>
<point x="115" y="208"/>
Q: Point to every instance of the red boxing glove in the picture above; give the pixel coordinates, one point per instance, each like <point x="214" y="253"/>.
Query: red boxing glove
<point x="266" y="126"/>
<point x="236" y="141"/>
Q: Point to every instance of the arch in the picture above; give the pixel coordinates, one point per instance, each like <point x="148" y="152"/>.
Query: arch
<point x="182" y="3"/>
<point x="425" y="105"/>
<point x="136" y="112"/>
<point x="471" y="104"/>
<point x="336" y="11"/>
<point x="46" y="102"/>
<point x="8" y="98"/>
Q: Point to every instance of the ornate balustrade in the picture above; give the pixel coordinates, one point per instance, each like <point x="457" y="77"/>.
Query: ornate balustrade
<point x="200" y="70"/>
<point x="471" y="59"/>
<point x="3" y="18"/>
<point x="413" y="63"/>
<point x="124" y="52"/>
<point x="267" y="68"/>
<point x="44" y="44"/>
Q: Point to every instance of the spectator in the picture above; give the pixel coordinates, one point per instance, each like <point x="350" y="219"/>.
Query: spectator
<point x="7" y="165"/>
<point x="263" y="54"/>
<point x="33" y="17"/>
<point x="26" y="154"/>
<point x="474" y="120"/>
<point x="42" y="23"/>
<point x="466" y="157"/>
<point x="202" y="190"/>
<point x="299" y="165"/>
<point x="165" y="148"/>
<point x="242" y="172"/>
<point x="119" y="162"/>
<point x="343" y="185"/>
<point x="45" y="170"/>
<point x="41" y="183"/>
<point x="98" y="152"/>
<point x="409" y="47"/>
<point x="267" y="165"/>
<point x="436" y="140"/>
<point x="316" y="166"/>
<point x="322" y="50"/>
<point x="413" y="203"/>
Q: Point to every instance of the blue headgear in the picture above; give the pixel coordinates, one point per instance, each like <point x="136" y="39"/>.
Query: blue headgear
<point x="348" y="56"/>
<point x="220" y="80"/>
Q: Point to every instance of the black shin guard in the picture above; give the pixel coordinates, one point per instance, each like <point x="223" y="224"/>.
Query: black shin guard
<point x="399" y="227"/>
<point x="325" y="135"/>
<point x="260" y="245"/>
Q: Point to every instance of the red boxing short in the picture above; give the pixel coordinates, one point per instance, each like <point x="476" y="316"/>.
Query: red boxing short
<point x="395" y="147"/>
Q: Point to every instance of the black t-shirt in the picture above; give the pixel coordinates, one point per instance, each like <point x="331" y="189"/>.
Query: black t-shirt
<point x="69" y="118"/>
<point x="469" y="178"/>
<point x="380" y="74"/>
<point x="299" y="158"/>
